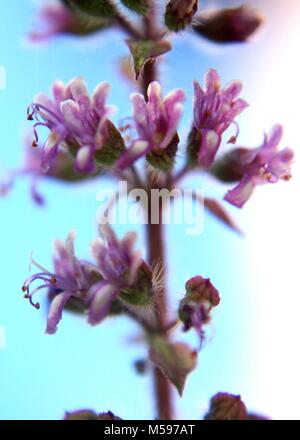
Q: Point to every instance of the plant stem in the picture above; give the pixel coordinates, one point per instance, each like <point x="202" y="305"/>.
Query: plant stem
<point x="156" y="249"/>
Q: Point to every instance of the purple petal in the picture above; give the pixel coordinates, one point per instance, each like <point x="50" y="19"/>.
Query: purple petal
<point x="58" y="91"/>
<point x="50" y="150"/>
<point x="239" y="195"/>
<point x="210" y="142"/>
<point x="55" y="311"/>
<point x="100" y="96"/>
<point x="280" y="165"/>
<point x="79" y="93"/>
<point x="36" y="196"/>
<point x="212" y="81"/>
<point x="103" y="295"/>
<point x="274" y="137"/>
<point x="72" y="116"/>
<point x="232" y="90"/>
<point x="84" y="162"/>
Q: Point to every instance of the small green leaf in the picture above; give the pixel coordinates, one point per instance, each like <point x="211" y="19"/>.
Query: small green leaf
<point x="113" y="147"/>
<point x="139" y="6"/>
<point x="145" y="51"/>
<point x="163" y="159"/>
<point x="176" y="360"/>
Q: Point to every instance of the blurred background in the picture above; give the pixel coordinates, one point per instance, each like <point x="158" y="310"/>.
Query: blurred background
<point x="254" y="350"/>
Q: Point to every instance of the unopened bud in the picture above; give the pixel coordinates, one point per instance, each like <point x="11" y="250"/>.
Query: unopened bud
<point x="224" y="406"/>
<point x="201" y="289"/>
<point x="228" y="25"/>
<point x="179" y="14"/>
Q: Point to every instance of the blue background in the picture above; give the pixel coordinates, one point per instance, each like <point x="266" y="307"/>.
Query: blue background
<point x="81" y="367"/>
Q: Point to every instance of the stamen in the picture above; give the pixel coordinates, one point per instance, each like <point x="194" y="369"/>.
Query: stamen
<point x="38" y="107"/>
<point x="33" y="262"/>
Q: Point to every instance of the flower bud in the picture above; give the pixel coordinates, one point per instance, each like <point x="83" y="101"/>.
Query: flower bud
<point x="228" y="168"/>
<point x="87" y="414"/>
<point x="179" y="14"/>
<point x="200" y="289"/>
<point x="228" y="25"/>
<point x="194" y="309"/>
<point x="82" y="414"/>
<point x="224" y="406"/>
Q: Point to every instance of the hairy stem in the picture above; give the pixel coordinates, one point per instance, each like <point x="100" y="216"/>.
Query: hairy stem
<point x="156" y="249"/>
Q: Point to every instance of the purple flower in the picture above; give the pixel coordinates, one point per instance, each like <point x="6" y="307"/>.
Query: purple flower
<point x="55" y="19"/>
<point x="155" y="122"/>
<point x="215" y="109"/>
<point x="118" y="264"/>
<point x="61" y="169"/>
<point x="76" y="122"/>
<point x="261" y="165"/>
<point x="194" y="309"/>
<point x="30" y="167"/>
<point x="71" y="278"/>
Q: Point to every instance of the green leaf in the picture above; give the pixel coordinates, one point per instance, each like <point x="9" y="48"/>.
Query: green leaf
<point x="175" y="360"/>
<point x="145" y="51"/>
<point x="139" y="6"/>
<point x="113" y="147"/>
<point x="163" y="159"/>
<point x="96" y="8"/>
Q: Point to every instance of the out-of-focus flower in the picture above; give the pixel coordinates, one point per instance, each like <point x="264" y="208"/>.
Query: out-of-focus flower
<point x="156" y="122"/>
<point x="224" y="406"/>
<point x="179" y="13"/>
<point x="232" y="25"/>
<point x="71" y="278"/>
<point x="56" y="19"/>
<point x="215" y="109"/>
<point x="61" y="169"/>
<point x="78" y="123"/>
<point x="260" y="165"/>
<point x="194" y="309"/>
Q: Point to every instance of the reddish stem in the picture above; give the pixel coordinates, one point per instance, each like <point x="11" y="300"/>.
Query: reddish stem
<point x="156" y="249"/>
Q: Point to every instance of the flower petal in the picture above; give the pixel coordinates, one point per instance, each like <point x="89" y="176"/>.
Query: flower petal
<point x="239" y="195"/>
<point x="210" y="142"/>
<point x="103" y="295"/>
<point x="55" y="311"/>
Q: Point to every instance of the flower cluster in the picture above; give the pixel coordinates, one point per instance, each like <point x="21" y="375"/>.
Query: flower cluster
<point x="80" y="126"/>
<point x="117" y="271"/>
<point x="76" y="122"/>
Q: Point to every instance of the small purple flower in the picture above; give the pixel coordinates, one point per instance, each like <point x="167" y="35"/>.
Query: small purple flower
<point x="118" y="264"/>
<point x="215" y="109"/>
<point x="32" y="168"/>
<point x="194" y="309"/>
<point x="155" y="121"/>
<point x="261" y="165"/>
<point x="71" y="278"/>
<point x="76" y="122"/>
<point x="54" y="19"/>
